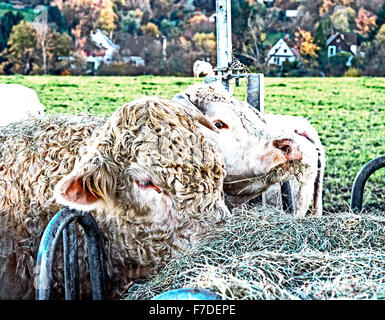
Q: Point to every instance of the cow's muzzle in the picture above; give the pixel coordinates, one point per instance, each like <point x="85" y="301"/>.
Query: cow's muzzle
<point x="289" y="149"/>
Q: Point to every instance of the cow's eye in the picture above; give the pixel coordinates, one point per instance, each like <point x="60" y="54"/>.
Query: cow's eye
<point x="147" y="185"/>
<point x="220" y="124"/>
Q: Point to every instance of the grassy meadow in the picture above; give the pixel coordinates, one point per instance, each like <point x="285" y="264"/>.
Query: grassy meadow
<point x="349" y="114"/>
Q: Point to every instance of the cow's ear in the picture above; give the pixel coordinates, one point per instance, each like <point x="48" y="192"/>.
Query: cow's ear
<point x="86" y="189"/>
<point x="185" y="99"/>
<point x="194" y="111"/>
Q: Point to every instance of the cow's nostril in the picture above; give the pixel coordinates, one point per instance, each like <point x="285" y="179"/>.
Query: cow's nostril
<point x="285" y="145"/>
<point x="288" y="148"/>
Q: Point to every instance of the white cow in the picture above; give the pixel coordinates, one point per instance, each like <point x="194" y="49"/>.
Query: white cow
<point x="202" y="67"/>
<point x="255" y="156"/>
<point x="18" y="103"/>
<point x="307" y="188"/>
<point x="261" y="151"/>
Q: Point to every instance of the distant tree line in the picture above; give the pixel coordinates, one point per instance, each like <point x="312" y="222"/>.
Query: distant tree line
<point x="189" y="28"/>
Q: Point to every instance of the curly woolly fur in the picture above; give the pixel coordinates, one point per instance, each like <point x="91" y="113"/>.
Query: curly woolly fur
<point x="38" y="156"/>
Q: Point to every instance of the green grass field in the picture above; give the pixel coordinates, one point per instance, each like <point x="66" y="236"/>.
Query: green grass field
<point x="349" y="114"/>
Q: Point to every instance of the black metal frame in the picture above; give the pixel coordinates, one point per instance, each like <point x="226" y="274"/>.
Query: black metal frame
<point x="63" y="223"/>
<point x="287" y="197"/>
<point x="359" y="182"/>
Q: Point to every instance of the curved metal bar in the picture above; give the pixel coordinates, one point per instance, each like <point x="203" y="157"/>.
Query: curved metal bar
<point x="287" y="198"/>
<point x="71" y="265"/>
<point x="60" y="222"/>
<point x="359" y="182"/>
<point x="96" y="256"/>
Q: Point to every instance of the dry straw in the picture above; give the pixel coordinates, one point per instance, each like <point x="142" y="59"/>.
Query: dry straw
<point x="265" y="254"/>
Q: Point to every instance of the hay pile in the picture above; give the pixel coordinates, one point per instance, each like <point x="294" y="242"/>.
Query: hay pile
<point x="261" y="254"/>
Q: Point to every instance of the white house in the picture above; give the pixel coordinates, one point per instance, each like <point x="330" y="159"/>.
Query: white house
<point x="291" y="13"/>
<point x="267" y="2"/>
<point x="213" y="17"/>
<point x="101" y="49"/>
<point x="280" y="53"/>
<point x="135" y="61"/>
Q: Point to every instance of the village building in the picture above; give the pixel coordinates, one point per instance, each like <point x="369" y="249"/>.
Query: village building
<point x="339" y="41"/>
<point x="94" y="54"/>
<point x="99" y="49"/>
<point x="291" y="13"/>
<point x="268" y="3"/>
<point x="280" y="53"/>
<point x="133" y="48"/>
<point x="135" y="61"/>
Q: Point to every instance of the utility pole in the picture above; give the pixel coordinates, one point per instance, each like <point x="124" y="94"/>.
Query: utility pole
<point x="255" y="81"/>
<point x="225" y="63"/>
<point x="224" y="43"/>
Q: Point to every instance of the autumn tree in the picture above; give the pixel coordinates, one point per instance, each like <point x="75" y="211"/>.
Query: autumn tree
<point x="371" y="62"/>
<point x="21" y="56"/>
<point x="82" y="16"/>
<point x="35" y="51"/>
<point x="326" y="7"/>
<point x="107" y="16"/>
<point x="347" y="3"/>
<point x="198" y="23"/>
<point x="251" y="33"/>
<point x="150" y="29"/>
<point x="365" y="21"/>
<point x="59" y="45"/>
<point x="206" y="45"/>
<point x="305" y="44"/>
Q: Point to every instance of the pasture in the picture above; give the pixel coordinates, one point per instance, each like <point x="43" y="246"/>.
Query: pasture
<point x="349" y="114"/>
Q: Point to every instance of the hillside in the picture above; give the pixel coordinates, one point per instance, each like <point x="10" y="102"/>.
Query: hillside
<point x="175" y="33"/>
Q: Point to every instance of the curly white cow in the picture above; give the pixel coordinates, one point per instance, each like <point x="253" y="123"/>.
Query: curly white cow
<point x="151" y="197"/>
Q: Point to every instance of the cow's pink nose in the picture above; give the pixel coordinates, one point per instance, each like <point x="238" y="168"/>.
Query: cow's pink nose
<point x="289" y="148"/>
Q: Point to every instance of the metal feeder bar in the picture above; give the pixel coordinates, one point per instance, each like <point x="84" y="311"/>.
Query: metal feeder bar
<point x="63" y="223"/>
<point x="359" y="182"/>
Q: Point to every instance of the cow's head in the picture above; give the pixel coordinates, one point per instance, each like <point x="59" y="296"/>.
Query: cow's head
<point x="150" y="168"/>
<point x="255" y="154"/>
